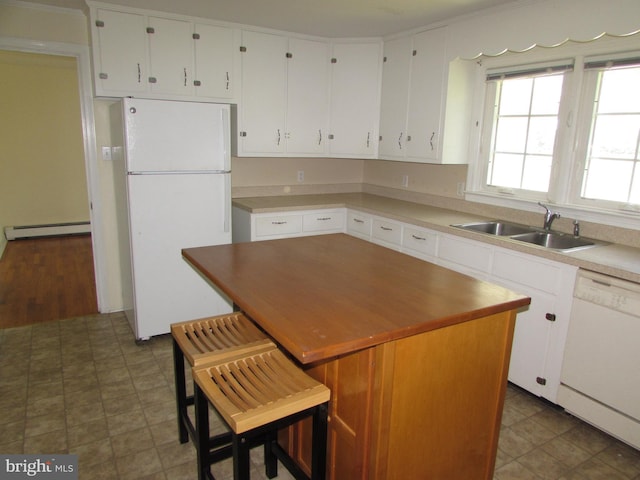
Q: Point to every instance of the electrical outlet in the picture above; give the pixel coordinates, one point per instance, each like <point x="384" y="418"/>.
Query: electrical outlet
<point x="405" y="181"/>
<point x="300" y="175"/>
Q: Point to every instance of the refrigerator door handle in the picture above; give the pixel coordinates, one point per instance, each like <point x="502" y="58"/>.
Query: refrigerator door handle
<point x="226" y="129"/>
<point x="227" y="203"/>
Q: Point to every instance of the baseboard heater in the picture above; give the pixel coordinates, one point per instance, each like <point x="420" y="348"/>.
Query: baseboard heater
<point x="50" y="230"/>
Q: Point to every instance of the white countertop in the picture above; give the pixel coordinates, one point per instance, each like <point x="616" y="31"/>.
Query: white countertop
<point x="610" y="259"/>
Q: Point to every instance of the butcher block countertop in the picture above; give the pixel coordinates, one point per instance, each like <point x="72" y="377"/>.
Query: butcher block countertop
<point x="328" y="295"/>
<point x="610" y="259"/>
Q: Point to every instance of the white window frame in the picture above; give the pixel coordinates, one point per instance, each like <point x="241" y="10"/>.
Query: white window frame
<point x="566" y="174"/>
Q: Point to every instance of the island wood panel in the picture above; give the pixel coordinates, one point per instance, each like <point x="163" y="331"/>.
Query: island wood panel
<point x="395" y="413"/>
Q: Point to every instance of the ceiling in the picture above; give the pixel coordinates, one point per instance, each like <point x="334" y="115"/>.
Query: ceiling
<point x="326" y="18"/>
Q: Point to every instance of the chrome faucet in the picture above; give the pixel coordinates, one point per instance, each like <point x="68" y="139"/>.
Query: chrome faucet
<point x="549" y="216"/>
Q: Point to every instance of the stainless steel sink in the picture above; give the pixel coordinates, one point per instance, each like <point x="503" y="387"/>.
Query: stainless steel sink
<point x="554" y="240"/>
<point x="536" y="236"/>
<point x="503" y="229"/>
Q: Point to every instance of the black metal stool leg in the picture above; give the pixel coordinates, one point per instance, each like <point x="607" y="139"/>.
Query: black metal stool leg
<point x="319" y="442"/>
<point x="270" y="458"/>
<point x="202" y="428"/>
<point x="181" y="391"/>
<point x="241" y="461"/>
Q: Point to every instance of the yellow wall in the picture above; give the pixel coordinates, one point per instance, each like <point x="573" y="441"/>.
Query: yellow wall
<point x="48" y="24"/>
<point x="42" y="170"/>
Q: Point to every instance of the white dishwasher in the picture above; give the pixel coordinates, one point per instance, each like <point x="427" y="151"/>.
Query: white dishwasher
<point x="600" y="380"/>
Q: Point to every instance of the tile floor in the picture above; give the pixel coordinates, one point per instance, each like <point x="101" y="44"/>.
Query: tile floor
<point x="83" y="386"/>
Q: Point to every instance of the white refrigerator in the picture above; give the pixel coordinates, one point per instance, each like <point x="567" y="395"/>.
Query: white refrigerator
<point x="175" y="171"/>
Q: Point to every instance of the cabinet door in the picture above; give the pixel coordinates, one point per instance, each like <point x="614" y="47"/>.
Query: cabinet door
<point x="531" y="340"/>
<point x="170" y="56"/>
<point x="393" y="109"/>
<point x="426" y="93"/>
<point x="355" y="99"/>
<point x="307" y="96"/>
<point x="214" y="61"/>
<point x="120" y="53"/>
<point x="264" y="100"/>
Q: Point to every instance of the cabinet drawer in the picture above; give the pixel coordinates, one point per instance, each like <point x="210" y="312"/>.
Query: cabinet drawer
<point x="278" y="225"/>
<point x="528" y="271"/>
<point x="386" y="231"/>
<point x="474" y="255"/>
<point x="359" y="224"/>
<point x="420" y="240"/>
<point x="323" y="221"/>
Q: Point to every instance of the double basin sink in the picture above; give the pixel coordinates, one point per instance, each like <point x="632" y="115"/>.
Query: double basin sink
<point x="536" y="236"/>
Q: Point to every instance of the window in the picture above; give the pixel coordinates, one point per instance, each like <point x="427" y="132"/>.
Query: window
<point x="562" y="130"/>
<point x="611" y="159"/>
<point x="525" y="119"/>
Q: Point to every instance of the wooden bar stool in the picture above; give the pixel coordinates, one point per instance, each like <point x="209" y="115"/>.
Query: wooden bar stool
<point x="206" y="340"/>
<point x="258" y="394"/>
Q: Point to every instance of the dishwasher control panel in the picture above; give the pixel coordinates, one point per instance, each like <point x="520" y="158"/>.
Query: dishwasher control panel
<point x="610" y="292"/>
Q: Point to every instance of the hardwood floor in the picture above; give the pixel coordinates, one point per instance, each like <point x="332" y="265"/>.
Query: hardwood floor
<point x="46" y="279"/>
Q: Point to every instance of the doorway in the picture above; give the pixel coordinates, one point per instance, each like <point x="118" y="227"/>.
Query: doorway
<point x="80" y="54"/>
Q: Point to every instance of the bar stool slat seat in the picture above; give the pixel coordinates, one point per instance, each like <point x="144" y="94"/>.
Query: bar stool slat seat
<point x="257" y="394"/>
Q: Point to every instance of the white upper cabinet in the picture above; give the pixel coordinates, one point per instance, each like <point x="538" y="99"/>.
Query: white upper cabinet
<point x="284" y="105"/>
<point x="414" y="87"/>
<point x="155" y="56"/>
<point x="427" y="89"/>
<point x="170" y="56"/>
<point x="264" y="94"/>
<point x="355" y="99"/>
<point x="119" y="52"/>
<point x="396" y="69"/>
<point x="307" y="96"/>
<point x="215" y="50"/>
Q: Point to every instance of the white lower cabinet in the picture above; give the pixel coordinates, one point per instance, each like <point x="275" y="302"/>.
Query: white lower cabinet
<point x="250" y="227"/>
<point x="387" y="233"/>
<point x="465" y="256"/>
<point x="420" y="242"/>
<point x="359" y="224"/>
<point x="541" y="329"/>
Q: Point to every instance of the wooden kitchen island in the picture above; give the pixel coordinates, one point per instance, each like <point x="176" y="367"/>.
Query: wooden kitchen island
<point x="416" y="355"/>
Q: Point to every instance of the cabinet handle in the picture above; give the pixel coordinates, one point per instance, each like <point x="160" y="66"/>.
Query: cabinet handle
<point x="139" y="73"/>
<point x="282" y="222"/>
<point x="323" y="219"/>
<point x="417" y="237"/>
<point x="387" y="229"/>
<point x="278" y="143"/>
<point x="319" y="137"/>
<point x="357" y="220"/>
<point x="550" y="316"/>
<point x="185" y="76"/>
<point x="400" y="141"/>
<point x="541" y="380"/>
<point x="368" y="138"/>
<point x="431" y="140"/>
<point x="227" y="80"/>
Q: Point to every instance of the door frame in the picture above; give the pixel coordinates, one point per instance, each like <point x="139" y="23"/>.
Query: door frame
<point x="83" y="59"/>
